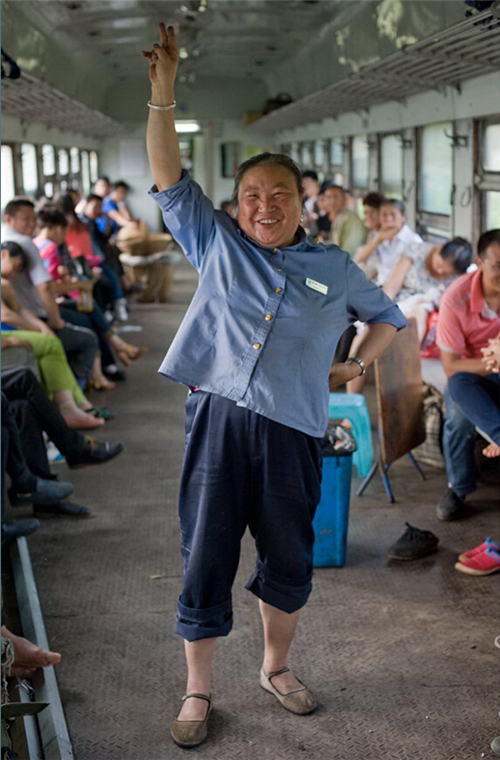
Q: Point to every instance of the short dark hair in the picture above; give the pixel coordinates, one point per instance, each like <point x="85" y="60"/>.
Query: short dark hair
<point x="50" y="217"/>
<point x="65" y="204"/>
<point x="272" y="159"/>
<point x="121" y="184"/>
<point x="310" y="174"/>
<point x="103" y="178"/>
<point x="333" y="186"/>
<point x="373" y="200"/>
<point x="93" y="197"/>
<point x="15" y="204"/>
<point x="486" y="239"/>
<point x="396" y="203"/>
<point x="459" y="252"/>
<point x="16" y="252"/>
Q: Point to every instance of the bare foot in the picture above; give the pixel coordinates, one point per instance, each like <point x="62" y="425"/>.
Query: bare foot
<point x="27" y="656"/>
<point x="492" y="451"/>
<point x="284" y="683"/>
<point x="193" y="709"/>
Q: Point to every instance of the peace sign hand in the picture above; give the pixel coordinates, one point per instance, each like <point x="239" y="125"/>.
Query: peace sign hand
<point x="163" y="60"/>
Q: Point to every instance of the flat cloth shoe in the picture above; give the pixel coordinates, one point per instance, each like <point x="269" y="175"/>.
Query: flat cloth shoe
<point x="301" y="702"/>
<point x="190" y="733"/>
<point x="487" y="544"/>
<point x="482" y="564"/>
<point x="45" y="491"/>
<point x="95" y="452"/>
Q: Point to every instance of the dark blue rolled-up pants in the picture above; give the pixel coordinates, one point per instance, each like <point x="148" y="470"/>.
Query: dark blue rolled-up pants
<point x="242" y="469"/>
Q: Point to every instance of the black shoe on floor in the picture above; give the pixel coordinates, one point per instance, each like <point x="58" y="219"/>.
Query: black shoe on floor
<point x="17" y="528"/>
<point x="62" y="509"/>
<point x="451" y="506"/>
<point x="45" y="491"/>
<point x="114" y="374"/>
<point x="413" y="544"/>
<point x="94" y="452"/>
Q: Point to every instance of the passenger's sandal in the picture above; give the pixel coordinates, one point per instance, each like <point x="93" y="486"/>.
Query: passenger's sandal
<point x="190" y="733"/>
<point x="301" y="701"/>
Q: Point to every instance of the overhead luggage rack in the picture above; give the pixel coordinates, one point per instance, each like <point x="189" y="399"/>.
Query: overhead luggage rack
<point x="32" y="100"/>
<point x="464" y="51"/>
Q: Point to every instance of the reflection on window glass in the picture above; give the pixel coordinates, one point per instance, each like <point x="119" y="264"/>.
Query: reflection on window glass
<point x="94" y="173"/>
<point x="48" y="189"/>
<point x="30" y="174"/>
<point x="63" y="162"/>
<point x="436" y="169"/>
<point x="48" y="160"/>
<point x="63" y="185"/>
<point x="319" y="153"/>
<point x="336" y="153"/>
<point x="294" y="153"/>
<point x="491" y="148"/>
<point x="8" y="187"/>
<point x="84" y="157"/>
<point x="75" y="160"/>
<point x="491" y="211"/>
<point x="360" y="161"/>
<point x="391" y="166"/>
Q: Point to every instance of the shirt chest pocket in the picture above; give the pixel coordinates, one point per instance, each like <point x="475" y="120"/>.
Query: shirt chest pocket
<point x="302" y="302"/>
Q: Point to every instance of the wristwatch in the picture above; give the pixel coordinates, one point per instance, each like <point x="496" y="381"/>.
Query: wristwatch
<point x="358" y="361"/>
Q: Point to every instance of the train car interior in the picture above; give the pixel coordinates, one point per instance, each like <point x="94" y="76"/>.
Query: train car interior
<point x="385" y="117"/>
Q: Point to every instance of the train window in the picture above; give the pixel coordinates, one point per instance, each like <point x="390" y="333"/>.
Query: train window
<point x="94" y="166"/>
<point x="336" y="153"/>
<point x="84" y="159"/>
<point x="319" y="154"/>
<point x="491" y="148"/>
<point x="294" y="152"/>
<point x="74" y="154"/>
<point x="29" y="169"/>
<point x="306" y="158"/>
<point x="491" y="213"/>
<point x="436" y="169"/>
<point x="391" y="166"/>
<point x="48" y="160"/>
<point x="48" y="189"/>
<point x="8" y="184"/>
<point x="63" y="162"/>
<point x="359" y="159"/>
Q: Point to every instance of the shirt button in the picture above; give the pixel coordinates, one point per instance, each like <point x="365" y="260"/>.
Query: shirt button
<point x="275" y="250"/>
<point x="278" y="290"/>
<point x="268" y="317"/>
<point x="256" y="345"/>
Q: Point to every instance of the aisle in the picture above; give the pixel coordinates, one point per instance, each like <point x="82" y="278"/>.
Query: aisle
<point x="400" y="656"/>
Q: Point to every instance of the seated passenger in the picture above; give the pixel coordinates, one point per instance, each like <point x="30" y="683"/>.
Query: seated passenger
<point x="34" y="289"/>
<point x="347" y="231"/>
<point x="22" y="325"/>
<point x="115" y="210"/>
<point x="468" y="319"/>
<point x="371" y="217"/>
<point x="423" y="273"/>
<point x="311" y="187"/>
<point x="391" y="241"/>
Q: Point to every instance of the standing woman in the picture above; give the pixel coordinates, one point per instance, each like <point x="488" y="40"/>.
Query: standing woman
<point x="255" y="348"/>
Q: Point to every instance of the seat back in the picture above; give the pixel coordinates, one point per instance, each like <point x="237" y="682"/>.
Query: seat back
<point x="398" y="379"/>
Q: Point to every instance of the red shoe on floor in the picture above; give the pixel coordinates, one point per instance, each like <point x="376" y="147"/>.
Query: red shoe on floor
<point x="488" y="543"/>
<point x="485" y="563"/>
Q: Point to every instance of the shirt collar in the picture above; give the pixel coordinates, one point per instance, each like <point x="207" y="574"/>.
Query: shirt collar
<point x="477" y="301"/>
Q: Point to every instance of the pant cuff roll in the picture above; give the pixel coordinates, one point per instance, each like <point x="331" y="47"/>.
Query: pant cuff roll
<point x="194" y="624"/>
<point x="287" y="594"/>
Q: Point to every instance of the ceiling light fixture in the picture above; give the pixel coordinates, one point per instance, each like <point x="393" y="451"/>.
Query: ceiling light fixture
<point x="183" y="53"/>
<point x="185" y="127"/>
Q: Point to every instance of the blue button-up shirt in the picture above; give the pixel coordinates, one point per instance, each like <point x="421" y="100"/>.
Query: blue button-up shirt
<point x="264" y="323"/>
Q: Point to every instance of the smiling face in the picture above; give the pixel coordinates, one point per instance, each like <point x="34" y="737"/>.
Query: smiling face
<point x="489" y="264"/>
<point x="269" y="205"/>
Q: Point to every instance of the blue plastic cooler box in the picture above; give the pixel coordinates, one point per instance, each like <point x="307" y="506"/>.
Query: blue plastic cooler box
<point x="332" y="514"/>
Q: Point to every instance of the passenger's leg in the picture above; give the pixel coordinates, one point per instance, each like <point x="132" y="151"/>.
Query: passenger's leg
<point x="279" y="630"/>
<point x="477" y="397"/>
<point x="80" y="345"/>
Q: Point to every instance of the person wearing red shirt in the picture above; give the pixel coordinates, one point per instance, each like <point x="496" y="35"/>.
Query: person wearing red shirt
<point x="468" y="320"/>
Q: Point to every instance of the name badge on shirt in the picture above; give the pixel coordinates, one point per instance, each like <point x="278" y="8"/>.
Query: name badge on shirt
<point x="317" y="286"/>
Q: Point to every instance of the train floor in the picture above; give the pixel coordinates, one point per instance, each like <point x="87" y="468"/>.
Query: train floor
<point x="400" y="655"/>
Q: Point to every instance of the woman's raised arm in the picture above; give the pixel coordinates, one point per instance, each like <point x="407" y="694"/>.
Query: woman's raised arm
<point x="162" y="140"/>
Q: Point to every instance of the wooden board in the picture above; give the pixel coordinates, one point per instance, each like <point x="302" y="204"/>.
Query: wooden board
<point x="398" y="380"/>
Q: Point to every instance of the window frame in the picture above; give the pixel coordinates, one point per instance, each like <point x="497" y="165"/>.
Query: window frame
<point x="484" y="180"/>
<point x="431" y="226"/>
<point x="380" y="138"/>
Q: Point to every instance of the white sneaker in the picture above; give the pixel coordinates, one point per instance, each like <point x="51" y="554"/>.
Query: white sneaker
<point x="120" y="309"/>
